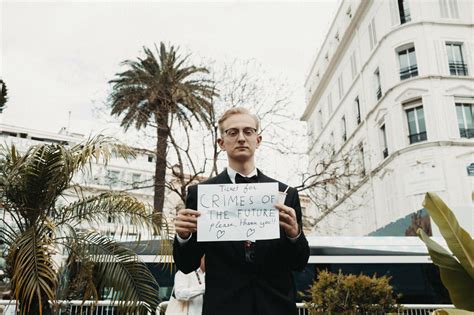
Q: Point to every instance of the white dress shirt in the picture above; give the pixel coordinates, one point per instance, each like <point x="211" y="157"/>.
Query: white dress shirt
<point x="232" y="174"/>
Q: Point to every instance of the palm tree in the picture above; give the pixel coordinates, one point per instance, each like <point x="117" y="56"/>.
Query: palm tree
<point x="3" y="95"/>
<point x="157" y="90"/>
<point x="36" y="228"/>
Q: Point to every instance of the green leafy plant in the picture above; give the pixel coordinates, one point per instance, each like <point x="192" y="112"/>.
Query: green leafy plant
<point x="456" y="267"/>
<point x="350" y="294"/>
<point x="38" y="225"/>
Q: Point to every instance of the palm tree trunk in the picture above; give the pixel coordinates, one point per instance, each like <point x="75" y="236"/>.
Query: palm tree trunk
<point x="162" y="133"/>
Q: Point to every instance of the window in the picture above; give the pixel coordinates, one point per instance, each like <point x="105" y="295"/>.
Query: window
<point x="136" y="178"/>
<point x="343" y="128"/>
<point x="362" y="159"/>
<point x="449" y="9"/>
<point x="150" y="158"/>
<point x="408" y="66"/>
<point x="378" y="87"/>
<point x="465" y="120"/>
<point x="416" y="122"/>
<point x="112" y="177"/>
<point x="404" y="11"/>
<point x="347" y="173"/>
<point x="383" y="138"/>
<point x="353" y="65"/>
<point x="357" y="108"/>
<point x="456" y="59"/>
<point x="372" y="34"/>
<point x="340" y="85"/>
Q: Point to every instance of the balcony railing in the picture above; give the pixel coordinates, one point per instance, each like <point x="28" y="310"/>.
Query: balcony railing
<point x="417" y="137"/>
<point x="407" y="309"/>
<point x="458" y="68"/>
<point x="110" y="308"/>
<point x="379" y="93"/>
<point x="408" y="72"/>
<point x="466" y="132"/>
<point x="405" y="16"/>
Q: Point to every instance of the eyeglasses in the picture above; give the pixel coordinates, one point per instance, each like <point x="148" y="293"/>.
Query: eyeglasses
<point x="234" y="132"/>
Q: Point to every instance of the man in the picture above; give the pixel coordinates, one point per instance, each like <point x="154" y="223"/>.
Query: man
<point x="243" y="277"/>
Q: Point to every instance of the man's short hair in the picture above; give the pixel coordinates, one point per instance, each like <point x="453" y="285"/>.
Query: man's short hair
<point x="236" y="111"/>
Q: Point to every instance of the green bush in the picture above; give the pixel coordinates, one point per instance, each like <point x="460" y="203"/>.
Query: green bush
<point x="350" y="294"/>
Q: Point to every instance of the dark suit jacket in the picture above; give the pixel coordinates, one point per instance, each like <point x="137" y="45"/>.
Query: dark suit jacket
<point x="236" y="287"/>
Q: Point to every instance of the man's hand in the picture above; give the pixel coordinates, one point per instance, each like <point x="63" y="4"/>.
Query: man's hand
<point x="185" y="222"/>
<point x="288" y="220"/>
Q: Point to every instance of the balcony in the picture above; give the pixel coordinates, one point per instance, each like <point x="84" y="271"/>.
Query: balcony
<point x="458" y="68"/>
<point x="417" y="137"/>
<point x="466" y="132"/>
<point x="408" y="72"/>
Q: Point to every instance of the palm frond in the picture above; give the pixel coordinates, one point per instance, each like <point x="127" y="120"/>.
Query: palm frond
<point x="34" y="276"/>
<point x="118" y="267"/>
<point x="117" y="207"/>
<point x="99" y="148"/>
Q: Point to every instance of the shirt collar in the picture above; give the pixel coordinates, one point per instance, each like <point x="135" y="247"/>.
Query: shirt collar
<point x="231" y="172"/>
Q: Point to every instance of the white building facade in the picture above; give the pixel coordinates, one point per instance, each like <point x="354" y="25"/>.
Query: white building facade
<point x="134" y="176"/>
<point x="393" y="83"/>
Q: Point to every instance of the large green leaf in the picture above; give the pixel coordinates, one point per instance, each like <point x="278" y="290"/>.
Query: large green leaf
<point x="458" y="240"/>
<point x="454" y="277"/>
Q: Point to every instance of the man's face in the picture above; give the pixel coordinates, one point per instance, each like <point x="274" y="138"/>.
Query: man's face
<point x="239" y="146"/>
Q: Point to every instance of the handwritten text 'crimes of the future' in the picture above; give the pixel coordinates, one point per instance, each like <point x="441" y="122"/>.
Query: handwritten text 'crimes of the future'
<point x="234" y="212"/>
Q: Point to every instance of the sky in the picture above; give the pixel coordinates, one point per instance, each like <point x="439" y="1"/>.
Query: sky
<point x="57" y="57"/>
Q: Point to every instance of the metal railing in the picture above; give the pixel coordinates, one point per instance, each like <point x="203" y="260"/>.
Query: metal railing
<point x="8" y="307"/>
<point x="458" y="68"/>
<point x="417" y="137"/>
<point x="378" y="93"/>
<point x="73" y="307"/>
<point x="408" y="72"/>
<point x="466" y="132"/>
<point x="408" y="309"/>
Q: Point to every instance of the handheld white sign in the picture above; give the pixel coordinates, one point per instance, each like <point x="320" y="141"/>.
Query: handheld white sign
<point x="236" y="212"/>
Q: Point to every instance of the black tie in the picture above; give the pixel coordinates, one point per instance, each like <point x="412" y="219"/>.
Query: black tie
<point x="249" y="247"/>
<point x="242" y="179"/>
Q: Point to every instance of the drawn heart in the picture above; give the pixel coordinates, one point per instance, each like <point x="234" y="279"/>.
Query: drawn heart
<point x="250" y="232"/>
<point x="220" y="233"/>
